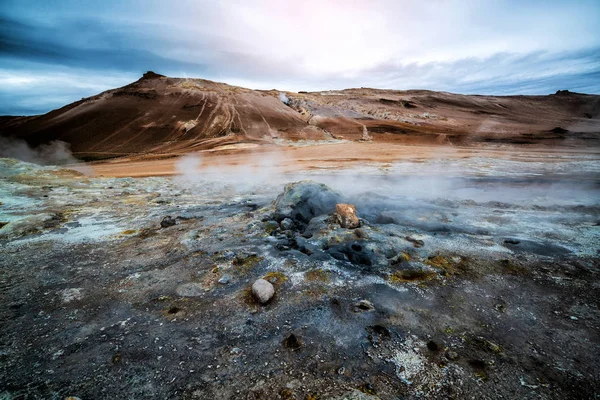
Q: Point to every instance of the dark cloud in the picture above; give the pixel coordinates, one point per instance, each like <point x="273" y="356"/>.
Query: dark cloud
<point x="103" y="48"/>
<point x="46" y="62"/>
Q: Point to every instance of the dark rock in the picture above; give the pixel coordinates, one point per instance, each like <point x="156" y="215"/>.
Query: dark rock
<point x="286" y="224"/>
<point x="151" y="75"/>
<point x="354" y="253"/>
<point x="167" y="222"/>
<point x="316" y="225"/>
<point x="362" y="306"/>
<point x="302" y="201"/>
<point x="292" y="342"/>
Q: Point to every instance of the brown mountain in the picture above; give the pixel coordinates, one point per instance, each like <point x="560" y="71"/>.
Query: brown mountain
<point x="166" y="116"/>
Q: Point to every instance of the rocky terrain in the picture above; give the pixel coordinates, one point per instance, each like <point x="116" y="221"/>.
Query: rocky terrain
<point x="463" y="277"/>
<point x="159" y="116"/>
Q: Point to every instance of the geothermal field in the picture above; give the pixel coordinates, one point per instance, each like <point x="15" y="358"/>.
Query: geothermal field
<point x="222" y="243"/>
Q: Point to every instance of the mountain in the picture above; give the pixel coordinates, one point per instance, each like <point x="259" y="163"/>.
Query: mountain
<point x="160" y="115"/>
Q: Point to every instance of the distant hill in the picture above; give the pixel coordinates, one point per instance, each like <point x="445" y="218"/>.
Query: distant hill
<point x="168" y="116"/>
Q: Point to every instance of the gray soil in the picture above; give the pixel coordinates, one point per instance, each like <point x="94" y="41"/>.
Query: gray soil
<point x="463" y="282"/>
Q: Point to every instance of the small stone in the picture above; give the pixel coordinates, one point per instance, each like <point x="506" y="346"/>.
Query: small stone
<point x="167" y="222"/>
<point x="263" y="290"/>
<point x="345" y="215"/>
<point x="224" y="280"/>
<point x="286" y="224"/>
<point x="451" y="355"/>
<point x="363" y="305"/>
<point x="574" y="318"/>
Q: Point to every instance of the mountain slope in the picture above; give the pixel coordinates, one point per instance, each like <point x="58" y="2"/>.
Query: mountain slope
<point x="162" y="115"/>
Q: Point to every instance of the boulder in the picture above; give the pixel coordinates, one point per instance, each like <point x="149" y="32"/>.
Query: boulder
<point x="263" y="290"/>
<point x="345" y="215"/>
<point x="304" y="200"/>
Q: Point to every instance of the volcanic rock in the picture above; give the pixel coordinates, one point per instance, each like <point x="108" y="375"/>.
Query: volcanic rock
<point x="286" y="224"/>
<point x="167" y="222"/>
<point x="304" y="200"/>
<point x="345" y="215"/>
<point x="263" y="290"/>
<point x="363" y="305"/>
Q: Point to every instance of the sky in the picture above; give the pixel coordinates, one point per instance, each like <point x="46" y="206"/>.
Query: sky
<point x="55" y="52"/>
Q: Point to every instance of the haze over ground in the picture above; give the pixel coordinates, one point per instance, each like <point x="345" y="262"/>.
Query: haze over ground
<point x="54" y="53"/>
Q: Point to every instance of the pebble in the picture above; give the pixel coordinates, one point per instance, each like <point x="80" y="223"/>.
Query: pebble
<point x="263" y="290"/>
<point x="224" y="279"/>
<point x="286" y="224"/>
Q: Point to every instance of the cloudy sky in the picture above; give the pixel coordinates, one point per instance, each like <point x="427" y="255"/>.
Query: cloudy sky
<point x="55" y="52"/>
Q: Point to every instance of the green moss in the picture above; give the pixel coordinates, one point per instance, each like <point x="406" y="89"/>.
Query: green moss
<point x="275" y="277"/>
<point x="270" y="227"/>
<point x="411" y="275"/>
<point x="244" y="264"/>
<point x="439" y="262"/>
<point x="146" y="233"/>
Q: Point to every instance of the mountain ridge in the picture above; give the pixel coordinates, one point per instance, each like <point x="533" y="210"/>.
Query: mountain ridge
<point x="162" y="115"/>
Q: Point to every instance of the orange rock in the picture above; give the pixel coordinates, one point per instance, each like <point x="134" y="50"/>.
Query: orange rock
<point x="345" y="215"/>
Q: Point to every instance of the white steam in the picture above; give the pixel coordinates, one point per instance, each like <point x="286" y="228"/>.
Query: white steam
<point x="254" y="171"/>
<point x="284" y="98"/>
<point x="53" y="153"/>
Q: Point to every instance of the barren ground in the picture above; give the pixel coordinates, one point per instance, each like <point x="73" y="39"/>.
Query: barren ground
<point x="474" y="275"/>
